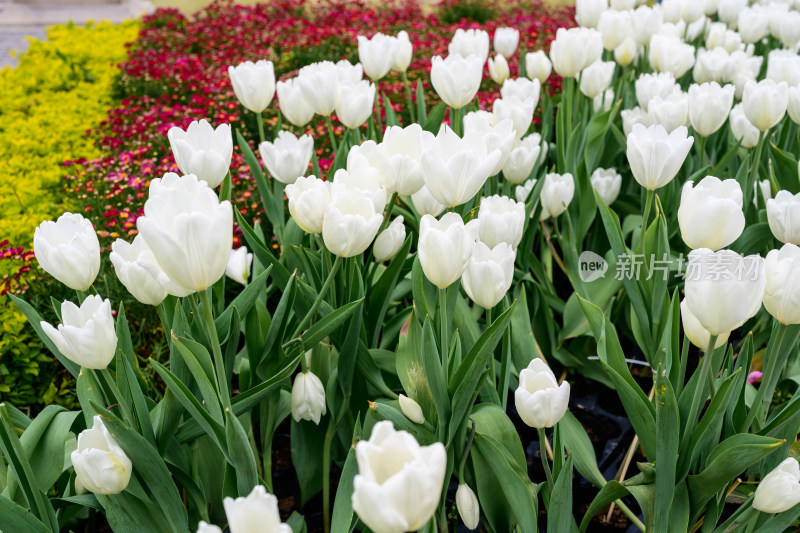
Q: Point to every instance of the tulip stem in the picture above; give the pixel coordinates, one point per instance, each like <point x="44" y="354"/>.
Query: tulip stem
<point x="260" y="121"/>
<point x="467" y="447"/>
<point x="213" y="339"/>
<point x="443" y="329"/>
<point x="543" y="455"/>
<point x="700" y="388"/>
<point x="378" y="121"/>
<point x="326" y="474"/>
<point x="748" y="188"/>
<point x="331" y="135"/>
<point x="325" y="286"/>
<point x="712" y="341"/>
<point x="648" y="206"/>
<point x="409" y="103"/>
<point x="118" y="397"/>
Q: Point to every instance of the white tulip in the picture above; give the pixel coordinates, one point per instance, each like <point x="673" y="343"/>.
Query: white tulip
<point x="253" y="83"/>
<point x="506" y="41"/>
<point x="723" y="289"/>
<point x="710" y="215"/>
<point x="498" y="69"/>
<point x="188" y="229"/>
<point x="501" y="220"/>
<point x="456" y="79"/>
<point x="783" y="215"/>
<point x="631" y="117"/>
<point x="287" y="157"/>
<point x="753" y="24"/>
<point x="784" y="65"/>
<point x="203" y="151"/>
<point x="489" y="273"/>
<point x="709" y="106"/>
<point x="596" y="78"/>
<point x="68" y="250"/>
<point x="668" y="53"/>
<point x="575" y="49"/>
<point x="496" y="135"/>
<point x="308" y="398"/>
<point x="649" y="86"/>
<point x="403" y="50"/>
<point x="411" y="409"/>
<point x="393" y="470"/>
<point x="470" y="42"/>
<point x="728" y="11"/>
<point x="319" y="83"/>
<point x="541" y="402"/>
<point x="522" y="158"/>
<point x="455" y="169"/>
<point x="204" y="527"/>
<point x="86" y="335"/>
<point x="239" y="264"/>
<point x="607" y="182"/>
<point x="627" y="52"/>
<point x="376" y="55"/>
<point x="467" y="505"/>
<point x="308" y="199"/>
<point x="764" y="187"/>
<point x="347" y="73"/>
<point x="256" y="513"/>
<point x="137" y="269"/>
<point x="713" y="65"/>
<point x="745" y="69"/>
<point x="782" y="294"/>
<point x="623" y="5"/>
<point x="557" y="193"/>
<point x="390" y="240"/>
<point x="655" y="156"/>
<point x="351" y="222"/>
<point x="645" y="22"/>
<point x="588" y="12"/>
<point x="293" y="103"/>
<point x="743" y="130"/>
<point x="360" y="174"/>
<point x="397" y="158"/>
<point x="538" y="66"/>
<point x="425" y="203"/>
<point x="793" y="104"/>
<point x="779" y="491"/>
<point x="521" y="88"/>
<point x="354" y="110"/>
<point x="765" y="103"/>
<point x="671" y="112"/>
<point x="789" y="29"/>
<point x="519" y="111"/>
<point x="615" y="26"/>
<point x="719" y="36"/>
<point x="445" y="247"/>
<point x="101" y="466"/>
<point x="521" y="192"/>
<point x="695" y="332"/>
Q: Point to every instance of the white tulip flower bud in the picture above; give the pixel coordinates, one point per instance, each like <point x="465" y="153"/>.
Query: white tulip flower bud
<point x="709" y="106"/>
<point x="538" y="66"/>
<point x="695" y="332"/>
<point x="710" y="215"/>
<point x="498" y="69"/>
<point x="506" y="41"/>
<point x="204" y="527"/>
<point x="575" y="49"/>
<point x="376" y="55"/>
<point x="308" y="199"/>
<point x="288" y="156"/>
<point x="783" y="216"/>
<point x="596" y="78"/>
<point x="86" y="335"/>
<point x="202" y="150"/>
<point x="522" y="158"/>
<point x="607" y="182"/>
<point x="101" y="466"/>
<point x="541" y="402"/>
<point x="425" y="203"/>
<point x="319" y="83"/>
<point x="68" y="250"/>
<point x="137" y="269"/>
<point x="445" y="247"/>
<point x="779" y="491"/>
<point x="255" y="513"/>
<point x="254" y="84"/>
<point x="489" y="273"/>
<point x="308" y="398"/>
<point x="742" y="129"/>
<point x="782" y="295"/>
<point x="467" y="505"/>
<point x="470" y="42"/>
<point x="765" y="103"/>
<point x="239" y="264"/>
<point x="501" y="219"/>
<point x="294" y="105"/>
<point x="390" y="240"/>
<point x="588" y="12"/>
<point x="557" y="193"/>
<point x="411" y="409"/>
<point x="656" y="157"/>
<point x="457" y="79"/>
<point x="354" y="110"/>
<point x="403" y="50"/>
<point x="351" y="221"/>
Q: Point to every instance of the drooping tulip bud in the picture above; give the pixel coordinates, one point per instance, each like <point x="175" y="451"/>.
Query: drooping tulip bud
<point x="308" y="398"/>
<point x="467" y="505"/>
<point x="411" y="409"/>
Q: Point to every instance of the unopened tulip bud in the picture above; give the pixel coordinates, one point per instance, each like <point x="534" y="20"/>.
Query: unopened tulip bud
<point x="294" y="105"/>
<point x="354" y="110"/>
<point x="742" y="129"/>
<point x="202" y="150"/>
<point x="709" y="106"/>
<point x="765" y="103"/>
<point x="254" y="84"/>
<point x="522" y="158"/>
<point x="389" y="242"/>
<point x="656" y="157"/>
<point x="710" y="214"/>
<point x="287" y="157"/>
<point x="137" y="269"/>
<point x="779" y="491"/>
<point x="783" y="215"/>
<point x="351" y="222"/>
<point x="782" y="294"/>
<point x="467" y="505"/>
<point x="403" y="50"/>
<point x="626" y="52"/>
<point x="411" y="409"/>
<point x="68" y="250"/>
<point x="607" y="182"/>
<point x="498" y="69"/>
<point x="376" y="55"/>
<point x="575" y="49"/>
<point x="501" y="219"/>
<point x="489" y="273"/>
<point x="308" y="398"/>
<point x="101" y="466"/>
<point x="538" y="66"/>
<point x="596" y="78"/>
<point x="204" y="527"/>
<point x="445" y="247"/>
<point x="456" y="79"/>
<point x="308" y="199"/>
<point x="239" y="264"/>
<point x="506" y="41"/>
<point x="86" y="335"/>
<point x="556" y="194"/>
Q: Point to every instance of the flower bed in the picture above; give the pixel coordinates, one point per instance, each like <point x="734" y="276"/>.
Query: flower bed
<point x="61" y="88"/>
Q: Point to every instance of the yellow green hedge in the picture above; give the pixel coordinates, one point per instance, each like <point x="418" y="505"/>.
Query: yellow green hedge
<point x="61" y="88"/>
